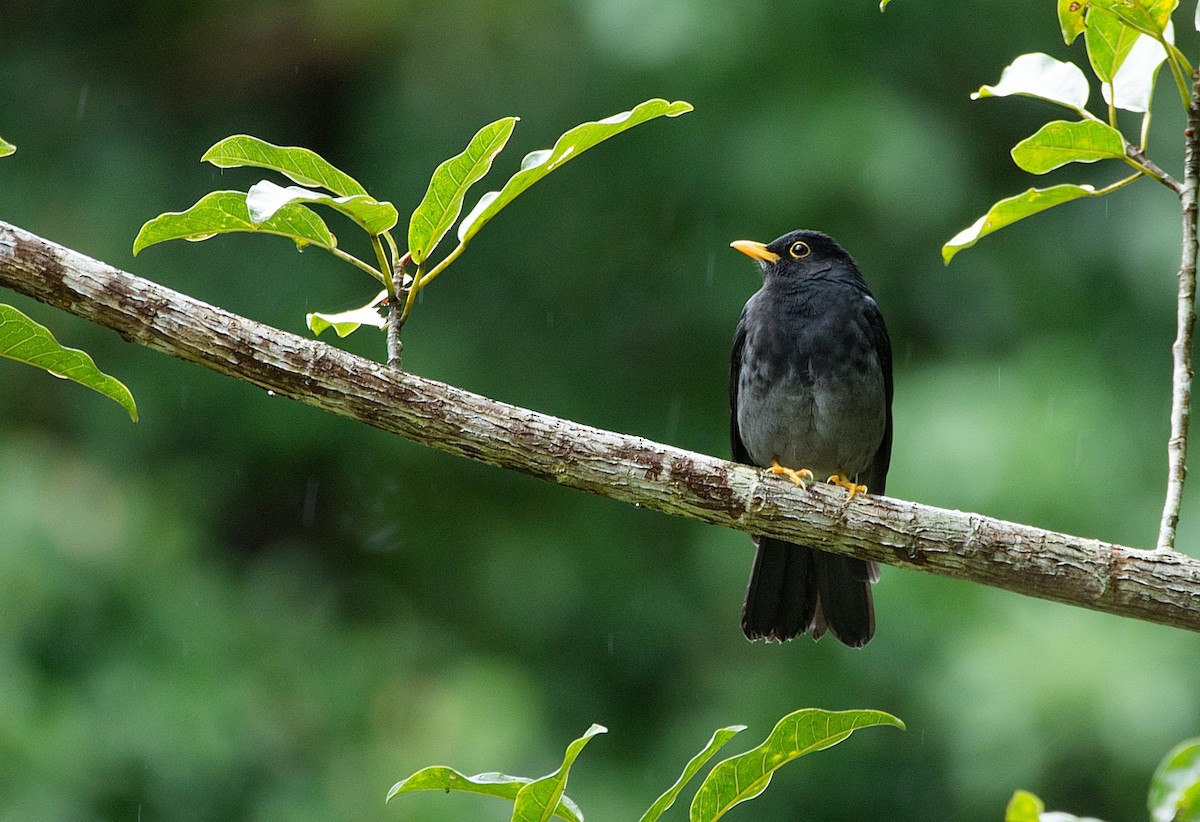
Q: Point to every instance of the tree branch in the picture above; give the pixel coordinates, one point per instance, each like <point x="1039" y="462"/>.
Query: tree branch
<point x="1161" y="587"/>
<point x="1181" y="351"/>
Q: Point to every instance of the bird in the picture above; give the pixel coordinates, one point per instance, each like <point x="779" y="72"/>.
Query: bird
<point x="810" y="396"/>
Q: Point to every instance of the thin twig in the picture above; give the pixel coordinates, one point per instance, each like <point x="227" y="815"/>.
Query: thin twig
<point x="1181" y="351"/>
<point x="396" y="303"/>
<point x="1137" y="158"/>
<point x="1161" y="587"/>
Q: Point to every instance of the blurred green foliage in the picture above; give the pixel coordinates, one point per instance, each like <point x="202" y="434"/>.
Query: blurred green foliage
<point x="241" y="608"/>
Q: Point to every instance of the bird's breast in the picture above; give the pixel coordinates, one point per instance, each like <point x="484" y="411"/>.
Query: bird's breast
<point x="811" y="390"/>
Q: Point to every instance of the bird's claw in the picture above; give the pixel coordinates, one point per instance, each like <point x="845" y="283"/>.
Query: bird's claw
<point x="801" y="477"/>
<point x="853" y="487"/>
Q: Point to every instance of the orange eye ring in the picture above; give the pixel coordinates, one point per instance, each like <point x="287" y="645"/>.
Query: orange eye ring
<point x="799" y="250"/>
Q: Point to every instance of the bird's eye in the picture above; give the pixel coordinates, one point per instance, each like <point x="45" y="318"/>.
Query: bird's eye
<point x="800" y="250"/>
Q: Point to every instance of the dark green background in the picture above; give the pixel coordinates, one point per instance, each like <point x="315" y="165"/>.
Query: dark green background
<point x="242" y="608"/>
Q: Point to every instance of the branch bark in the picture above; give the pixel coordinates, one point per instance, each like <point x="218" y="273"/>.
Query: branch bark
<point x="1161" y="587"/>
<point x="1181" y="351"/>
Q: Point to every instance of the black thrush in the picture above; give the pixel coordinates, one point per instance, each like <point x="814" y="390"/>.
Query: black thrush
<point x="810" y="395"/>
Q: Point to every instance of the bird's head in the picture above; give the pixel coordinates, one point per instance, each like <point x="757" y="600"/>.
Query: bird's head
<point x="798" y="255"/>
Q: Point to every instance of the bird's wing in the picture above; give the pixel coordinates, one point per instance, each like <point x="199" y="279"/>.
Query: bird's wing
<point x="876" y="478"/>
<point x="738" y="449"/>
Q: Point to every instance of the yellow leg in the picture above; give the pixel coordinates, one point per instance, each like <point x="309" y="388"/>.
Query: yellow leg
<point x="852" y="487"/>
<point x="801" y="477"/>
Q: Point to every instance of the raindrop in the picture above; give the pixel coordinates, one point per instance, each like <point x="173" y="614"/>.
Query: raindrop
<point x="309" y="511"/>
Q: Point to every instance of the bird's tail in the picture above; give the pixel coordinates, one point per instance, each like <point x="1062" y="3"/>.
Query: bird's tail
<point x="795" y="590"/>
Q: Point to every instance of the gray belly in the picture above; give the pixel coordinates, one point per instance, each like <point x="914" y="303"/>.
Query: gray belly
<point x="830" y="423"/>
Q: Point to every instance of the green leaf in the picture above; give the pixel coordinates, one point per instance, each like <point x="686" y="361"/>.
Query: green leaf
<point x="498" y="785"/>
<point x="747" y="775"/>
<point x="1060" y="142"/>
<point x="225" y="212"/>
<point x="6" y="148"/>
<point x="301" y="165"/>
<point x="537" y="164"/>
<point x="1024" y="807"/>
<point x="443" y="200"/>
<point x="883" y="4"/>
<point x="1153" y="18"/>
<point x="26" y="341"/>
<point x="1189" y="805"/>
<point x="1109" y="42"/>
<point x="1175" y="787"/>
<point x="346" y="323"/>
<point x="1010" y="210"/>
<point x="537" y="801"/>
<point x="697" y="762"/>
<point x="1071" y="18"/>
<point x="1133" y="85"/>
<point x="1040" y="75"/>
<point x="265" y="199"/>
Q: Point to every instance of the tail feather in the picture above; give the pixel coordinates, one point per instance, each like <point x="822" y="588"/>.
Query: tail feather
<point x="796" y="590"/>
<point x="844" y="589"/>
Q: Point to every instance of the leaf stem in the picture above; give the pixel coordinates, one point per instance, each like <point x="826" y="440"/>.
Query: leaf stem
<point x="421" y="279"/>
<point x="388" y="281"/>
<point x="1180" y="68"/>
<point x="357" y="263"/>
<point x="395" y="252"/>
<point x="1181" y="351"/>
<point x="1124" y="181"/>
<point x="440" y="267"/>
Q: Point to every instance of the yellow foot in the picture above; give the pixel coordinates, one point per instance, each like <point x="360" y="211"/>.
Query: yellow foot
<point x="801" y="477"/>
<point x="853" y="488"/>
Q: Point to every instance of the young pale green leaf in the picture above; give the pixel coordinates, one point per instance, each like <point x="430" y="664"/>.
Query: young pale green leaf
<point x="1133" y="86"/>
<point x="1040" y="75"/>
<point x="1024" y="807"/>
<point x="498" y="785"/>
<point x="448" y="187"/>
<point x="1060" y="142"/>
<point x="1147" y="16"/>
<point x="718" y="740"/>
<point x="1175" y="787"/>
<point x="225" y="212"/>
<point x="1071" y="19"/>
<point x="346" y="323"/>
<point x="884" y="3"/>
<point x="265" y="199"/>
<point x="745" y="776"/>
<point x="1109" y="42"/>
<point x="538" y="164"/>
<point x="6" y="148"/>
<point x="26" y="341"/>
<point x="1197" y="20"/>
<point x="537" y="801"/>
<point x="301" y="165"/>
<point x="1010" y="210"/>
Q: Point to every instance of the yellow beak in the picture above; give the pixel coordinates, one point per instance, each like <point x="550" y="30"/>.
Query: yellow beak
<point x="756" y="250"/>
